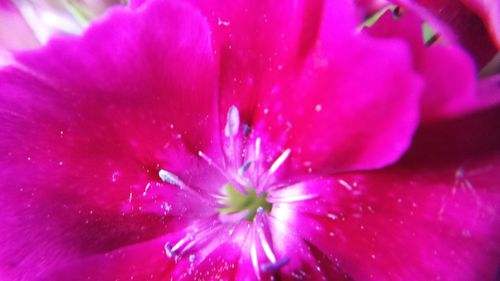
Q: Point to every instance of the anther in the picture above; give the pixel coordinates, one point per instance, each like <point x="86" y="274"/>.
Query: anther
<point x="244" y="168"/>
<point x="232" y="122"/>
<point x="275" y="266"/>
<point x="168" y="250"/>
<point x="170" y="178"/>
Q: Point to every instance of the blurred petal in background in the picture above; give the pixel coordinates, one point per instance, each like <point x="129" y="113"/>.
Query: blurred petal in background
<point x="27" y="24"/>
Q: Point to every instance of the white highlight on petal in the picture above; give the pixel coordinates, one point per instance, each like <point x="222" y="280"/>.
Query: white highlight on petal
<point x="221" y="22"/>
<point x="147" y="188"/>
<point x="332" y="216"/>
<point x="345" y="184"/>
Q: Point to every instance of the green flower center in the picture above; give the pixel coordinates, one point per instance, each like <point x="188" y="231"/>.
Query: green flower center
<point x="237" y="201"/>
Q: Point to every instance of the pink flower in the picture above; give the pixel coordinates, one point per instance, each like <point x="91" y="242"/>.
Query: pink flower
<point x="195" y="141"/>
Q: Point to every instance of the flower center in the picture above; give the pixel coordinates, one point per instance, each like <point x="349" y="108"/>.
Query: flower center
<point x="239" y="211"/>
<point x="249" y="202"/>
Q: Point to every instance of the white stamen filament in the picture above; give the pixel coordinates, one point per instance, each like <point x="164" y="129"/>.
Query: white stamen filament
<point x="171" y="178"/>
<point x="261" y="223"/>
<point x="257" y="148"/>
<point x="279" y="161"/>
<point x="291" y="199"/>
<point x="231" y="179"/>
<point x="255" y="260"/>
<point x="181" y="242"/>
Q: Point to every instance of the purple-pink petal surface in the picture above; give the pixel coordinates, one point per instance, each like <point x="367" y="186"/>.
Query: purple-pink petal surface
<point x="127" y="153"/>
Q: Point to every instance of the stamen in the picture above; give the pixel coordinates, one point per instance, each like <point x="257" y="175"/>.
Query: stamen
<point x="255" y="259"/>
<point x="197" y="240"/>
<point x="257" y="148"/>
<point x="274" y="167"/>
<point x="246" y="130"/>
<point x="168" y="250"/>
<point x="232" y="122"/>
<point x="200" y="237"/>
<point x="257" y="156"/>
<point x="261" y="229"/>
<point x="262" y="226"/>
<point x="229" y="178"/>
<point x="244" y="167"/>
<point x="267" y="248"/>
<point x="171" y="178"/>
<point x="213" y="164"/>
<point x="181" y="242"/>
<point x="279" y="161"/>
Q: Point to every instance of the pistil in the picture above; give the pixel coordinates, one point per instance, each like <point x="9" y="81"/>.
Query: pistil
<point x="248" y="202"/>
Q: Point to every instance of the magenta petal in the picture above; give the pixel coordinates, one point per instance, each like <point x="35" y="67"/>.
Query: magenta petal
<point x="463" y="19"/>
<point x="282" y="39"/>
<point x="455" y="140"/>
<point x="437" y="223"/>
<point x="323" y="117"/>
<point x="432" y="216"/>
<point x="223" y="263"/>
<point x="489" y="91"/>
<point x="81" y="132"/>
<point x="488" y="95"/>
<point x="62" y="193"/>
<point x="321" y="112"/>
<point x="450" y="82"/>
<point x="489" y="11"/>
<point x="448" y="71"/>
<point x="141" y="262"/>
<point x="135" y="4"/>
<point x="256" y="44"/>
<point x="407" y="224"/>
<point x="370" y="7"/>
<point x="140" y="77"/>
